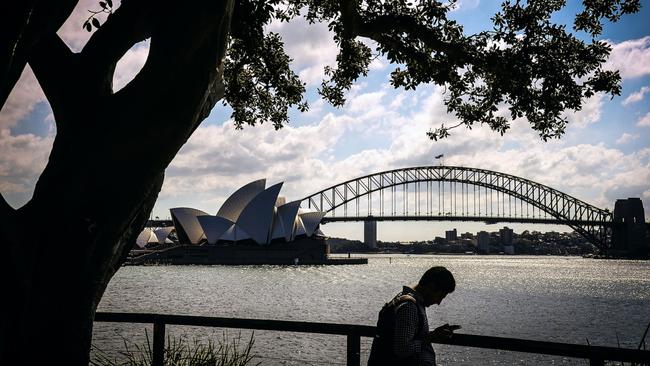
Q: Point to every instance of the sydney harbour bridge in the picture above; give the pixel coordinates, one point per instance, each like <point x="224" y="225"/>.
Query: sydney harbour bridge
<point x="453" y="193"/>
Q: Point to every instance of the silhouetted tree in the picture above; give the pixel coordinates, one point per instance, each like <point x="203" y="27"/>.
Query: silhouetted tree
<point x="111" y="148"/>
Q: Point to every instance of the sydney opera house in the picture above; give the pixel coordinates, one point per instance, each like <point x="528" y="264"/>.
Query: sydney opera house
<point x="255" y="225"/>
<point x="253" y="213"/>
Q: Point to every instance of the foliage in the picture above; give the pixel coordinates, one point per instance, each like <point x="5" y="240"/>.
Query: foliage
<point x="180" y="352"/>
<point x="527" y="63"/>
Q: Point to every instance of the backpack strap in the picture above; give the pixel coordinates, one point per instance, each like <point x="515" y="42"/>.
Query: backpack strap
<point x="404" y="298"/>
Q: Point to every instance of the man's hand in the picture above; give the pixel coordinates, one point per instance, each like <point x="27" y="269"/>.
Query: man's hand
<point x="442" y="333"/>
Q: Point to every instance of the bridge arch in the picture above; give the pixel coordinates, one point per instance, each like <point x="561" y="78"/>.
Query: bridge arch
<point x="590" y="221"/>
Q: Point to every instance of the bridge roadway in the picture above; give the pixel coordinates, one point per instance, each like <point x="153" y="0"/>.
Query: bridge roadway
<point x="485" y="219"/>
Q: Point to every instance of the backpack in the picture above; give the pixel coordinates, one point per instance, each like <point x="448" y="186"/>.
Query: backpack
<point x="381" y="352"/>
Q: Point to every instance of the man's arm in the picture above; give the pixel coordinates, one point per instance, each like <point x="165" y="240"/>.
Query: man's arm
<point x="406" y="324"/>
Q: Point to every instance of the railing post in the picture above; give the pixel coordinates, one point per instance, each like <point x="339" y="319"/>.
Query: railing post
<point x="158" y="357"/>
<point x="354" y="349"/>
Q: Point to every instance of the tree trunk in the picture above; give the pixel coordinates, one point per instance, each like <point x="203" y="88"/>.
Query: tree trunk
<point x="104" y="173"/>
<point x="62" y="262"/>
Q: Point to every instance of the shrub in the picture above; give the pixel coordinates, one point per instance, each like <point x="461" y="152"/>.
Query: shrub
<point x="179" y="351"/>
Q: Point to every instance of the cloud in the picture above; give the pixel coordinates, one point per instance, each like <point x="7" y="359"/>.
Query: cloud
<point x="631" y="58"/>
<point x="203" y="163"/>
<point x="22" y="100"/>
<point x="636" y="96"/>
<point x="590" y="112"/>
<point x="311" y="46"/>
<point x="626" y="137"/>
<point x="644" y="121"/>
<point x="22" y="160"/>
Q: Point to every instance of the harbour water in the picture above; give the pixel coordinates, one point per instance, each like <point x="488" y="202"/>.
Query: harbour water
<point x="561" y="299"/>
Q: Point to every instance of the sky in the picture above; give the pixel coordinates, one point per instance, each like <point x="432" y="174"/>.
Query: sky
<point x="603" y="156"/>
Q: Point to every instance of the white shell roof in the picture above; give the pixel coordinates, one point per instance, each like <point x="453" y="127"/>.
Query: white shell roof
<point x="145" y="237"/>
<point x="278" y="229"/>
<point x="257" y="217"/>
<point x="311" y="221"/>
<point x="300" y="228"/>
<point x="288" y="214"/>
<point x="162" y="233"/>
<point x="235" y="233"/>
<point x="214" y="227"/>
<point x="187" y="218"/>
<point x="235" y="204"/>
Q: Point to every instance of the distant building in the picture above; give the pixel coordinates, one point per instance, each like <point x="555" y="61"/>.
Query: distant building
<point x="506" y="240"/>
<point x="370" y="233"/>
<point x="467" y="235"/>
<point x="506" y="236"/>
<point x="483" y="242"/>
<point x="451" y="235"/>
<point x="439" y="240"/>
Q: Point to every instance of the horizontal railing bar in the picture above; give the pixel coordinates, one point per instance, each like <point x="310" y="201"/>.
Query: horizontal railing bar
<point x="261" y="324"/>
<point x="549" y="348"/>
<point x="466" y="340"/>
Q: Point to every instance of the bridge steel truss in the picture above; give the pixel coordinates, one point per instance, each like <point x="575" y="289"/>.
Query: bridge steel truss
<point x="591" y="222"/>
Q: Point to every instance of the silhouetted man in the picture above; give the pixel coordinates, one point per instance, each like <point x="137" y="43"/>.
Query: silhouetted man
<point x="403" y="336"/>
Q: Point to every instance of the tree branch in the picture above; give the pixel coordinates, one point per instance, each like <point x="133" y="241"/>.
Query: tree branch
<point x="22" y="25"/>
<point x="128" y="25"/>
<point x="215" y="93"/>
<point x="183" y="71"/>
<point x="53" y="62"/>
<point x="349" y="18"/>
<point x="375" y="29"/>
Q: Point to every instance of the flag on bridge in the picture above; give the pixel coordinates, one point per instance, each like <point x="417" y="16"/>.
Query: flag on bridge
<point x="439" y="156"/>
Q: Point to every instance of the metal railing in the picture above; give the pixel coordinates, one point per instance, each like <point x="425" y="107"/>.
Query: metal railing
<point x="596" y="355"/>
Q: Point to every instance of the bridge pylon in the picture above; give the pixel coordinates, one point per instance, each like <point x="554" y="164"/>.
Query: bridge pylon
<point x="370" y="232"/>
<point x="629" y="232"/>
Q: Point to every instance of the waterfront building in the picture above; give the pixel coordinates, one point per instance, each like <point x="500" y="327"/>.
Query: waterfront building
<point x="253" y="213"/>
<point x="483" y="242"/>
<point x="506" y="235"/>
<point x="451" y="235"/>
<point x="253" y="226"/>
<point x="467" y="235"/>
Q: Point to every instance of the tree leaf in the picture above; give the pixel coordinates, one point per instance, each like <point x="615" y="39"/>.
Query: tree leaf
<point x="96" y="23"/>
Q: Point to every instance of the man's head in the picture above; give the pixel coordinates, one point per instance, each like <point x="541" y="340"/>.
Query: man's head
<point x="435" y="284"/>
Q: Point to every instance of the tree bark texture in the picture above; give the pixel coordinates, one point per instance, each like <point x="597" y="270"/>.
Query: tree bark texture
<point x="105" y="170"/>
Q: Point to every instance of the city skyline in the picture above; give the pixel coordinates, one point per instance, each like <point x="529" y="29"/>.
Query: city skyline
<point x="604" y="155"/>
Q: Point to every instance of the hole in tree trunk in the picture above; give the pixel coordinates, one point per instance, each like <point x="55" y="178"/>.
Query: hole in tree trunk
<point x="130" y="64"/>
<point x="27" y="132"/>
